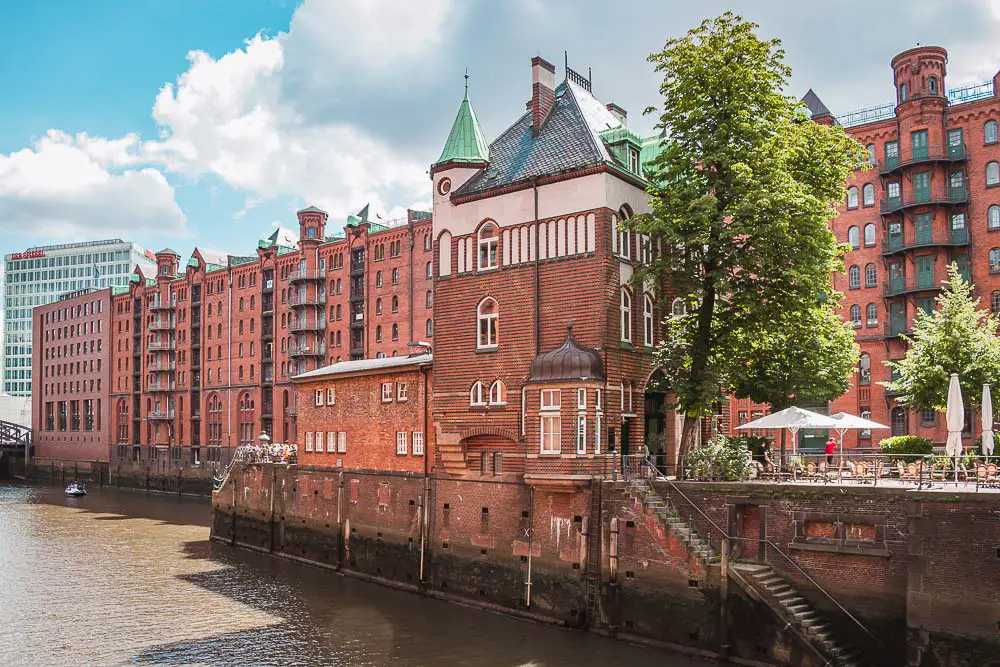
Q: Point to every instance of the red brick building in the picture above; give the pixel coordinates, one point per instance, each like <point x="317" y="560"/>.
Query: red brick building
<point x="527" y="243"/>
<point x="372" y="414"/>
<point x="931" y="197"/>
<point x="199" y="358"/>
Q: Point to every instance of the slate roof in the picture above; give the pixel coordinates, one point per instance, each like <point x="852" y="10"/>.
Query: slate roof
<point x="568" y="140"/>
<point x="815" y="105"/>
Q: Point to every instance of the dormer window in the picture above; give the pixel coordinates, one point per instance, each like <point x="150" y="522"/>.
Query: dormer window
<point x="633" y="160"/>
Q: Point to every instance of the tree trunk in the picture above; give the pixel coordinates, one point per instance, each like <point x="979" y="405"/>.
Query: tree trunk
<point x="687" y="439"/>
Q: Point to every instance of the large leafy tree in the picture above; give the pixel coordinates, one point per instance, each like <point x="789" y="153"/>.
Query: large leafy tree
<point x="957" y="337"/>
<point x="745" y="188"/>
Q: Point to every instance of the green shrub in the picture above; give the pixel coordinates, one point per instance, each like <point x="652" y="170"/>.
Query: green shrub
<point x="758" y="445"/>
<point x="906" y="448"/>
<point x="996" y="444"/>
<point x="721" y="458"/>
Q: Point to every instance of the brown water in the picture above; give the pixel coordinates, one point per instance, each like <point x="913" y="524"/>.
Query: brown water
<point x="122" y="577"/>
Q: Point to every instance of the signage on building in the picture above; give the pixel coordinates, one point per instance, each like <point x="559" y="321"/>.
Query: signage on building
<point x="27" y="254"/>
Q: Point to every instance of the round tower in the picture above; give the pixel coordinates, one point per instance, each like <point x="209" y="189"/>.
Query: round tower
<point x="919" y="73"/>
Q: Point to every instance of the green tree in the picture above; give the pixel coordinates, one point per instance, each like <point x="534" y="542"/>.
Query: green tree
<point x="957" y="337"/>
<point x="745" y="186"/>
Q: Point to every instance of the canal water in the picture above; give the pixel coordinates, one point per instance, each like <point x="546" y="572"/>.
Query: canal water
<point x="121" y="577"/>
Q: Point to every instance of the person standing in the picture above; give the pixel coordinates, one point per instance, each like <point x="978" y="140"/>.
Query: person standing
<point x="831" y="448"/>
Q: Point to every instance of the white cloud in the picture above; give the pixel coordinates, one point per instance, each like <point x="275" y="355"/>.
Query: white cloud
<point x="68" y="187"/>
<point x="237" y="117"/>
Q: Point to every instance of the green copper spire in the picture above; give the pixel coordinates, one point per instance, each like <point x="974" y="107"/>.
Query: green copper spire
<point x="466" y="142"/>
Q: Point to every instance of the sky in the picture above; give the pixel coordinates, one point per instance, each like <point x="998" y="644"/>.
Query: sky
<point x="186" y="123"/>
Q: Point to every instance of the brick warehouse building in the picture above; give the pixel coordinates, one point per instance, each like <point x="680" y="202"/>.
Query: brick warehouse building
<point x="195" y="360"/>
<point x="931" y="196"/>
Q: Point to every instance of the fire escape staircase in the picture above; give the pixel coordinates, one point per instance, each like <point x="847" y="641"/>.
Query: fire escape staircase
<point x="759" y="581"/>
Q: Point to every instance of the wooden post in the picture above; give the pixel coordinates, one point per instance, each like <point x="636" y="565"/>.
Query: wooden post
<point x="724" y="603"/>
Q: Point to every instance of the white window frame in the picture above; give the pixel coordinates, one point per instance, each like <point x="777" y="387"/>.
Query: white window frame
<point x="309" y="441"/>
<point x="598" y="399"/>
<point x="581" y="399"/>
<point x="581" y="433"/>
<point x="489" y="248"/>
<point x="331" y="442"/>
<point x="477" y="394"/>
<point x="598" y="418"/>
<point x="625" y="306"/>
<point x="498" y="393"/>
<point x="387" y="392"/>
<point x="625" y="244"/>
<point x="318" y="398"/>
<point x="491" y="321"/>
<point x="647" y="320"/>
<point x="401" y="392"/>
<point x="401" y="443"/>
<point x="550" y="421"/>
<point x="331" y="396"/>
<point x="418" y="443"/>
<point x="320" y="441"/>
<point x="342" y="442"/>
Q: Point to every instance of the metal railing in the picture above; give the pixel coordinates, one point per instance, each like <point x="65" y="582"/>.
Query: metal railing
<point x="868" y="115"/>
<point x="295" y="299"/>
<point x="910" y="284"/>
<point x="298" y="276"/>
<point x="916" y="155"/>
<point x="307" y="350"/>
<point x="160" y="414"/>
<point x="651" y="473"/>
<point x="307" y="324"/>
<point x="947" y="237"/>
<point x="952" y="194"/>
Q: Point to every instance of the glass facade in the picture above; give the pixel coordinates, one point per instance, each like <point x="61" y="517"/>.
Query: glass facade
<point x="39" y="275"/>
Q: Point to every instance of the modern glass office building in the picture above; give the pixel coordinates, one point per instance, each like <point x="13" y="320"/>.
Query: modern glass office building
<point x="40" y="275"/>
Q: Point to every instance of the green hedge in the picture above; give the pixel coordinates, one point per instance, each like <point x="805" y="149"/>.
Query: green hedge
<point x="906" y="448"/>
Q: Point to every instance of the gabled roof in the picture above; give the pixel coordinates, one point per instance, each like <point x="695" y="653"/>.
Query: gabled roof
<point x="466" y="142"/>
<point x="815" y="105"/>
<point x="569" y="140"/>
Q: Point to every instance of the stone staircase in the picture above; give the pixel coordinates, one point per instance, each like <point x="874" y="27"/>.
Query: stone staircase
<point x="763" y="583"/>
<point x="699" y="548"/>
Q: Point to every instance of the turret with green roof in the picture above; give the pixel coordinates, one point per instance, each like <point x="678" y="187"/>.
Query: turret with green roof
<point x="466" y="143"/>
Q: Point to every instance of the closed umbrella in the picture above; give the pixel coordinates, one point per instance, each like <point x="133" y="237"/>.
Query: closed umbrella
<point x="987" y="421"/>
<point x="955" y="416"/>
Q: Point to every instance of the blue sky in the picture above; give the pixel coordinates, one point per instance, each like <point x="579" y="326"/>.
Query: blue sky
<point x="111" y="127"/>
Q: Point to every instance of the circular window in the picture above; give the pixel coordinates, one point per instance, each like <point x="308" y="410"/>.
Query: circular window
<point x="444" y="186"/>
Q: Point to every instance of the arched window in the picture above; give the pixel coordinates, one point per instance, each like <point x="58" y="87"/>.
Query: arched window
<point x="871" y="275"/>
<point x="214" y="420"/>
<point x="902" y="92"/>
<point x="647" y="320"/>
<point x="395" y="276"/>
<point x="246" y="419"/>
<point x="378" y="307"/>
<point x="871" y="154"/>
<point x="498" y="393"/>
<point x="430" y="270"/>
<point x="853" y="237"/>
<point x="990" y="132"/>
<point x="994" y="259"/>
<point x="869" y="235"/>
<point x="992" y="173"/>
<point x="856" y="316"/>
<point x="932" y="85"/>
<point x="476" y="394"/>
<point x="487" y="315"/>
<point x="865" y="369"/>
<point x="378" y="278"/>
<point x="427" y="241"/>
<point x="378" y="334"/>
<point x="898" y="421"/>
<point x="993" y="217"/>
<point x="488" y="243"/>
<point x="871" y="315"/>
<point x="429" y="300"/>
<point x="852" y="197"/>
<point x="678" y="308"/>
<point x="395" y="304"/>
<point x="395" y="331"/>
<point x="854" y="277"/>
<point x="995" y="302"/>
<point x="626" y="316"/>
<point x="868" y="192"/>
<point x="430" y="328"/>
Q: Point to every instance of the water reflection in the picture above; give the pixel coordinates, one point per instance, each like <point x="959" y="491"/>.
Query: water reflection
<point x="121" y="577"/>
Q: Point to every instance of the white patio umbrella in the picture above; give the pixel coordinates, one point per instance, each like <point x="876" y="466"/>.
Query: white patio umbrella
<point x="794" y="419"/>
<point x="987" y="410"/>
<point x="955" y="416"/>
<point x="848" y="422"/>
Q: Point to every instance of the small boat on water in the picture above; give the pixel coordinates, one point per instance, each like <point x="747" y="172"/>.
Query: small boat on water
<point x="75" y="490"/>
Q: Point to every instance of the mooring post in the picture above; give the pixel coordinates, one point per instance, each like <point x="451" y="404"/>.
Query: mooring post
<point x="724" y="603"/>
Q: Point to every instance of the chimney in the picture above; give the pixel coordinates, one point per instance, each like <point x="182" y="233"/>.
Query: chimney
<point x="543" y="92"/>
<point x="618" y="113"/>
